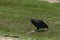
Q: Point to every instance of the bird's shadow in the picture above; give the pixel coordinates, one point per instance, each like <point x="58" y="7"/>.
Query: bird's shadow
<point x="35" y="32"/>
<point x="41" y="30"/>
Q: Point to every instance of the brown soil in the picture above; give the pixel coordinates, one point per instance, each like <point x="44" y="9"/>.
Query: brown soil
<point x="8" y="38"/>
<point x="51" y="1"/>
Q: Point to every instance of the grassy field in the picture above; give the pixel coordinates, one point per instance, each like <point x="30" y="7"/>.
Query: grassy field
<point x="15" y="16"/>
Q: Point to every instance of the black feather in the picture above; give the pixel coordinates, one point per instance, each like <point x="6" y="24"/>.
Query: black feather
<point x="39" y="24"/>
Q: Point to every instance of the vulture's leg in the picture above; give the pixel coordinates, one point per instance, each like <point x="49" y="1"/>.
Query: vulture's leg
<point x="37" y="29"/>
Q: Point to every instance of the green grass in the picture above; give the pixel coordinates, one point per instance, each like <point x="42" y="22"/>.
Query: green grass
<point x="15" y="16"/>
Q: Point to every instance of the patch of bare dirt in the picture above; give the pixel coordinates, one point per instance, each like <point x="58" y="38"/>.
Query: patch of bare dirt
<point x="8" y="38"/>
<point x="51" y="1"/>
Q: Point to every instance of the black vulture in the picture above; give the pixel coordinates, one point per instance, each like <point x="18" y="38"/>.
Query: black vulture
<point x="39" y="24"/>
